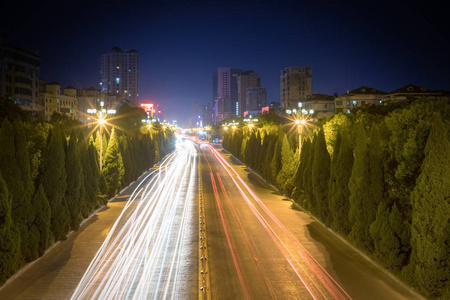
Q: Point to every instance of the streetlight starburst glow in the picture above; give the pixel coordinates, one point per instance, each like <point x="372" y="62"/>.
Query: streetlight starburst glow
<point x="301" y="120"/>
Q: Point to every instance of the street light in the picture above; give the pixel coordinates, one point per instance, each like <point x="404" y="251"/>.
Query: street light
<point x="250" y="121"/>
<point x="101" y="121"/>
<point x="228" y="125"/>
<point x="301" y="119"/>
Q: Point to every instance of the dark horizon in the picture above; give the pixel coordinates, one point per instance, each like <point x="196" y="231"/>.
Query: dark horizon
<point x="180" y="45"/>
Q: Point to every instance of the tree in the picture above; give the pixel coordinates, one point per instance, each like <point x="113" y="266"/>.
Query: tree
<point x="20" y="203"/>
<point x="104" y="144"/>
<point x="320" y="176"/>
<point x="376" y="189"/>
<point x="298" y="179"/>
<point x="75" y="192"/>
<point x="9" y="236"/>
<point x="11" y="110"/>
<point x="338" y="192"/>
<point x="387" y="246"/>
<point x="309" y="202"/>
<point x="90" y="173"/>
<point x="23" y="213"/>
<point x="359" y="184"/>
<point x="43" y="219"/>
<point x="53" y="179"/>
<point x="340" y="199"/>
<point x="339" y="123"/>
<point x="113" y="169"/>
<point x="289" y="164"/>
<point x="275" y="164"/>
<point x="430" y="228"/>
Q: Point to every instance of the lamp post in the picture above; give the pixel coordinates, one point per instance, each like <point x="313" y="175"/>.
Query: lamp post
<point x="250" y="121"/>
<point x="231" y="125"/>
<point x="101" y="122"/>
<point x="301" y="119"/>
<point x="300" y="124"/>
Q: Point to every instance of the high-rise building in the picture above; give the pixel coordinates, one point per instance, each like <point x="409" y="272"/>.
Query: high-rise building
<point x="295" y="86"/>
<point x="256" y="99"/>
<point x="19" y="76"/>
<point x="119" y="75"/>
<point x="226" y="100"/>
<point x="246" y="80"/>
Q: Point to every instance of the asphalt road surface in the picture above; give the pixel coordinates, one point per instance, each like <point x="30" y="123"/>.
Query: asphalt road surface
<point x="260" y="247"/>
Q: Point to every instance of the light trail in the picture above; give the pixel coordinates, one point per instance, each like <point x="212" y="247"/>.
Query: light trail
<point x="142" y="255"/>
<point x="327" y="281"/>
<point x="227" y="233"/>
<point x="247" y="240"/>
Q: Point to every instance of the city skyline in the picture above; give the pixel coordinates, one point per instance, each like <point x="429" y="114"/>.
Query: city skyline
<point x="382" y="45"/>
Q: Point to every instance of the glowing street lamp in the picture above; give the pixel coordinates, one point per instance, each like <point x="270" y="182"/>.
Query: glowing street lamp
<point x="301" y="120"/>
<point x="101" y="121"/>
<point x="233" y="124"/>
<point x="250" y="121"/>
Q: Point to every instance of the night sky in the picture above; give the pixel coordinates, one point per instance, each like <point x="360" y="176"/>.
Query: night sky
<point x="384" y="45"/>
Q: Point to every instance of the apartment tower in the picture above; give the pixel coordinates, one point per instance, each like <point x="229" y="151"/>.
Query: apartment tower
<point x="119" y="75"/>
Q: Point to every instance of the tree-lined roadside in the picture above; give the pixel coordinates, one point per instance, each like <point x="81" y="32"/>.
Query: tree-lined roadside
<point x="50" y="178"/>
<point x="380" y="179"/>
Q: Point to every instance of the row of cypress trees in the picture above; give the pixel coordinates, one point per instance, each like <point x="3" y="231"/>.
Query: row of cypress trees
<point x="380" y="180"/>
<point x="50" y="179"/>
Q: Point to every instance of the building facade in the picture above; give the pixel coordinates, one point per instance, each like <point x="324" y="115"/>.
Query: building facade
<point x="408" y="93"/>
<point x="359" y="97"/>
<point x="52" y="100"/>
<point x="118" y="75"/>
<point x="295" y="86"/>
<point x="19" y="77"/>
<point x="256" y="98"/>
<point x="226" y="100"/>
<point x="321" y="104"/>
<point x="245" y="80"/>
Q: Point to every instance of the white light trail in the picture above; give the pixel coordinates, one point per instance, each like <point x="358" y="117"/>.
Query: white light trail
<point x="141" y="259"/>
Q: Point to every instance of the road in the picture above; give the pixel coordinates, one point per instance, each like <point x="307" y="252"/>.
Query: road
<point x="229" y="235"/>
<point x="260" y="247"/>
<point x="143" y="245"/>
